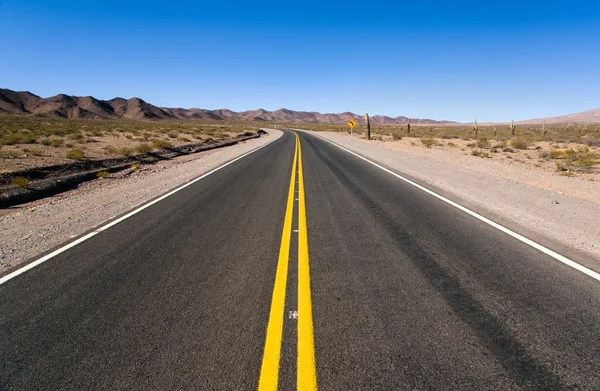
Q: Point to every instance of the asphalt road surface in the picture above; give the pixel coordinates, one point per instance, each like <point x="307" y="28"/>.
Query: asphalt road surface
<point x="300" y="266"/>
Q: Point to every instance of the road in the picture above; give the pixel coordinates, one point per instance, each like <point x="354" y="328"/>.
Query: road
<point x="300" y="266"/>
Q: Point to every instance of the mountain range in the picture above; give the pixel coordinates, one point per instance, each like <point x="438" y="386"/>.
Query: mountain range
<point x="88" y="107"/>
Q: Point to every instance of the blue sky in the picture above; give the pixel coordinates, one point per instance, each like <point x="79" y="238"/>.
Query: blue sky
<point x="456" y="60"/>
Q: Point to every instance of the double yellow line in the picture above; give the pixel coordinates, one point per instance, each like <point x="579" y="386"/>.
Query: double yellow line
<point x="305" y="370"/>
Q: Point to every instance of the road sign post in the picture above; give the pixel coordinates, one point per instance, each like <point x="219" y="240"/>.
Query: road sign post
<point x="351" y="125"/>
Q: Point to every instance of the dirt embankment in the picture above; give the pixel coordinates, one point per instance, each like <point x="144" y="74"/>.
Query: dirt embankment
<point x="38" y="182"/>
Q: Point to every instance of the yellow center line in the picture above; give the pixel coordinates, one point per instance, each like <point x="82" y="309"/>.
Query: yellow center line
<point x="306" y="378"/>
<point x="306" y="375"/>
<point x="269" y="372"/>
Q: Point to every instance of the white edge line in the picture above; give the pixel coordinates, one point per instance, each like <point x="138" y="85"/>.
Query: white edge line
<point x="537" y="246"/>
<point x="43" y="259"/>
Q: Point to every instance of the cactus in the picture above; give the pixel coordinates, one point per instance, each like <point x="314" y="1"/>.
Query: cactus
<point x="475" y="127"/>
<point x="368" y="127"/>
<point x="512" y="127"/>
<point x="495" y="131"/>
<point x="544" y="130"/>
<point x="408" y="126"/>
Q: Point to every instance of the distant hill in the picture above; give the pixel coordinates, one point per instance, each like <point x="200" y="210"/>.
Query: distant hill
<point x="88" y="107"/>
<point x="590" y="116"/>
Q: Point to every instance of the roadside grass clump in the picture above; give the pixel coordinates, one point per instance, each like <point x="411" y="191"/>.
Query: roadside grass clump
<point x="17" y="138"/>
<point x="428" y="142"/>
<point x="161" y="144"/>
<point x="102" y="174"/>
<point x="33" y="151"/>
<point x="47" y="142"/>
<point x="582" y="159"/>
<point x="76" y="136"/>
<point x="57" y="142"/>
<point x="396" y="137"/>
<point x="144" y="148"/>
<point x="135" y="166"/>
<point x="76" y="154"/>
<point x="184" y="140"/>
<point x="23" y="183"/>
<point x="126" y="151"/>
<point x="482" y="143"/>
<point x="172" y="135"/>
<point x="520" y="144"/>
<point x="112" y="150"/>
<point x="481" y="154"/>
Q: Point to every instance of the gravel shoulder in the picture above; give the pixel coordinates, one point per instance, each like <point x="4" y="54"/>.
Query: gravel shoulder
<point x="564" y="210"/>
<point x="34" y="228"/>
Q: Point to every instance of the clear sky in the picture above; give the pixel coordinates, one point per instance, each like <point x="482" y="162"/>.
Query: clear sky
<point x="456" y="60"/>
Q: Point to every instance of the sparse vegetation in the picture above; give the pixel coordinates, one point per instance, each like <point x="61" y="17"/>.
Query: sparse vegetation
<point x="76" y="154"/>
<point x="57" y="143"/>
<point x="520" y="144"/>
<point x="21" y="182"/>
<point x="102" y="174"/>
<point x="480" y="154"/>
<point x="144" y="148"/>
<point x="581" y="159"/>
<point x="161" y="144"/>
<point x="428" y="142"/>
<point x="483" y="143"/>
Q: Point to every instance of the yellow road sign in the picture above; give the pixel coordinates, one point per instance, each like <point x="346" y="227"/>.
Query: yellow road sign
<point x="352" y="123"/>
